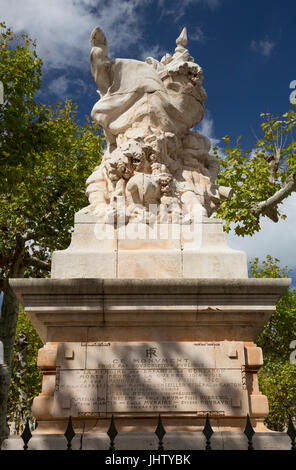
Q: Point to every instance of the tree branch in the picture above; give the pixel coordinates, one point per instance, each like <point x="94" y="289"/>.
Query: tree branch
<point x="37" y="263"/>
<point x="269" y="207"/>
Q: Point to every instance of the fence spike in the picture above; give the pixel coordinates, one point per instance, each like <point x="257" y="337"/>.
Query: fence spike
<point x="249" y="432"/>
<point x="160" y="432"/>
<point x="208" y="432"/>
<point x="292" y="433"/>
<point x="112" y="433"/>
<point x="69" y="434"/>
<point x="26" y="434"/>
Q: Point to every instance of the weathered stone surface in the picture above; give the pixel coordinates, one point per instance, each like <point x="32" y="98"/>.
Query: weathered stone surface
<point x="142" y="263"/>
<point x="47" y="357"/>
<point x="141" y="378"/>
<point x="154" y="191"/>
<point x="147" y="110"/>
<point x="74" y="264"/>
<point x="145" y="251"/>
<point x="144" y="309"/>
<point x="254" y="357"/>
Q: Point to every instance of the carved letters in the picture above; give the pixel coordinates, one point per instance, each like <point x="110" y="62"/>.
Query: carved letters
<point x="124" y="378"/>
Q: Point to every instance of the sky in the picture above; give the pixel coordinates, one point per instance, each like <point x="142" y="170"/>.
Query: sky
<point x="246" y="50"/>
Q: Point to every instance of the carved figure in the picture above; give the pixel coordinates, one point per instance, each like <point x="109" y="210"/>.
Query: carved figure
<point x="147" y="110"/>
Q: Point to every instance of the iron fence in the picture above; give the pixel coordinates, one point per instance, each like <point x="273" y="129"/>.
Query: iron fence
<point x="160" y="433"/>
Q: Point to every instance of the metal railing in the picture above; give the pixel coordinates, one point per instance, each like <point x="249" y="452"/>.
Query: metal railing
<point x="160" y="433"/>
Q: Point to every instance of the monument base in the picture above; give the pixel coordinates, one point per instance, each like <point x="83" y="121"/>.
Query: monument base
<point x="181" y="348"/>
<point x="140" y="251"/>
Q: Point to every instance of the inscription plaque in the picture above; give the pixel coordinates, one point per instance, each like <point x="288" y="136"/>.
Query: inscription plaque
<point x="96" y="379"/>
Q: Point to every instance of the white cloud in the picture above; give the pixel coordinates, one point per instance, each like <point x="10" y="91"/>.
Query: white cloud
<point x="275" y="239"/>
<point x="155" y="51"/>
<point x="178" y="9"/>
<point x="207" y="3"/>
<point x="63" y="27"/>
<point x="197" y="35"/>
<point x="206" y="127"/>
<point x="264" y="47"/>
<point x="59" y="86"/>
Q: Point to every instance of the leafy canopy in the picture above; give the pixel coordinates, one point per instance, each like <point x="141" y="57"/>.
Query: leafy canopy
<point x="21" y="119"/>
<point x="26" y="378"/>
<point x="277" y="378"/>
<point x="256" y="175"/>
<point x="45" y="159"/>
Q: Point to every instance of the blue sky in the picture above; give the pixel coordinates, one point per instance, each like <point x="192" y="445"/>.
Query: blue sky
<point x="246" y="49"/>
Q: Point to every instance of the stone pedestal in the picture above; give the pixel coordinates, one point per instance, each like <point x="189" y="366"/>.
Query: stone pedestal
<point x="136" y="326"/>
<point x="181" y="348"/>
<point x="140" y="251"/>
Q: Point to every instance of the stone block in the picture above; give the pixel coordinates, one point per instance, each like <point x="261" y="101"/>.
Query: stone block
<point x="258" y="405"/>
<point x="71" y="355"/>
<point x="140" y="264"/>
<point x="71" y="264"/>
<point x="254" y="357"/>
<point x="191" y="251"/>
<point x="47" y="357"/>
<point x="70" y="333"/>
<point x="48" y="384"/>
<point x="212" y="263"/>
<point x="42" y="407"/>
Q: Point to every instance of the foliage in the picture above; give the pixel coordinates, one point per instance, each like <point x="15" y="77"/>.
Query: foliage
<point x="39" y="203"/>
<point x="45" y="158"/>
<point x="21" y="120"/>
<point x="278" y="382"/>
<point x="257" y="175"/>
<point x="277" y="378"/>
<point x="28" y="384"/>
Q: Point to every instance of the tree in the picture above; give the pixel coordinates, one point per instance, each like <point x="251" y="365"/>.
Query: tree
<point x="26" y="379"/>
<point x="277" y="378"/>
<point x="21" y="119"/>
<point x="45" y="159"/>
<point x="261" y="178"/>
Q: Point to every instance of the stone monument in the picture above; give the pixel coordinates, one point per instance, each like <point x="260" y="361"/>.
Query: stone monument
<point x="149" y="311"/>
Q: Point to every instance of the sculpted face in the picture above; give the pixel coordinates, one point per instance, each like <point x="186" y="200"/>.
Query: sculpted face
<point x="137" y="161"/>
<point x="134" y="154"/>
<point x="118" y="166"/>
